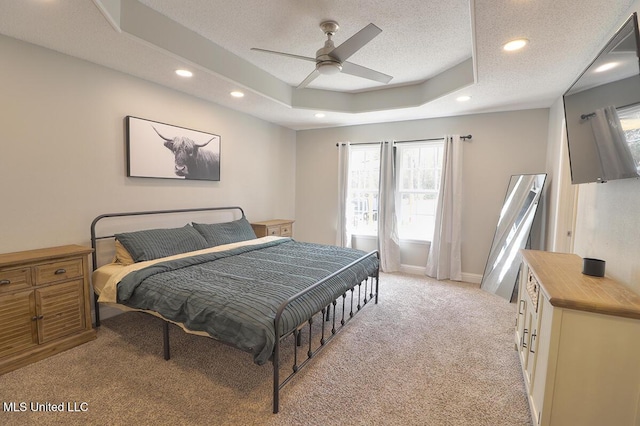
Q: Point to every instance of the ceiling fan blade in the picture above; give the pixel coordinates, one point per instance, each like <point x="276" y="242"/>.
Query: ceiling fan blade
<point x="309" y="79"/>
<point x="364" y="72"/>
<point x="304" y="58"/>
<point x="355" y="43"/>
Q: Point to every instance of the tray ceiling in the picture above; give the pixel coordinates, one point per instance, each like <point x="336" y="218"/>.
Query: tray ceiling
<point x="435" y="51"/>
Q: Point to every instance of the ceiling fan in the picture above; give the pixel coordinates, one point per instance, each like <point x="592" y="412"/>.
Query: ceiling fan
<point x="332" y="60"/>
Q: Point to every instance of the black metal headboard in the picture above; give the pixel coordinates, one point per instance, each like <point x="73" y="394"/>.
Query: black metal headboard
<point x="95" y="237"/>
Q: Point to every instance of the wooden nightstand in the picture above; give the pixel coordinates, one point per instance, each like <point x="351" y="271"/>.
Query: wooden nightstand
<point x="276" y="227"/>
<point x="44" y="304"/>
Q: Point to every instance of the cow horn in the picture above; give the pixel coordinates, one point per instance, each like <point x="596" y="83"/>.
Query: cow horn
<point x="200" y="145"/>
<point x="166" y="139"/>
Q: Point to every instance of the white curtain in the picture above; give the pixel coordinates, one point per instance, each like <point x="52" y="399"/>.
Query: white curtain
<point x="445" y="261"/>
<point x="615" y="156"/>
<point x="388" y="241"/>
<point x="343" y="234"/>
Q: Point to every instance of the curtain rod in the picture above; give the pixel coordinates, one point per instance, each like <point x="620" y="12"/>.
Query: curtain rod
<point x="464" y="138"/>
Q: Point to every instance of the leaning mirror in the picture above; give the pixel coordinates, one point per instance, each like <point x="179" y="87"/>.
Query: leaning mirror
<point x="512" y="233"/>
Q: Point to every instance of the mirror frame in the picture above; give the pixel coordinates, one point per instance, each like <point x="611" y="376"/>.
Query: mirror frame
<point x="513" y="233"/>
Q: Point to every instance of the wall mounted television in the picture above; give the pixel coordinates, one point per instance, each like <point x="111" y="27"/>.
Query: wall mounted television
<point x="602" y="112"/>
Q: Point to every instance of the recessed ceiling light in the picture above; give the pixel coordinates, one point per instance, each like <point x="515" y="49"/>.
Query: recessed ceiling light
<point x="237" y="94"/>
<point x="606" y="67"/>
<point x="184" y="73"/>
<point x="464" y="98"/>
<point x="319" y="115"/>
<point x="515" y="44"/>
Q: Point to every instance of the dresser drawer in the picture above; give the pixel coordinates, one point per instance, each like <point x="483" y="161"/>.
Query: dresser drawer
<point x="14" y="279"/>
<point x="58" y="271"/>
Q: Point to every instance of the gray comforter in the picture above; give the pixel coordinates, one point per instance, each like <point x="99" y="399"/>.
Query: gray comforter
<point x="233" y="295"/>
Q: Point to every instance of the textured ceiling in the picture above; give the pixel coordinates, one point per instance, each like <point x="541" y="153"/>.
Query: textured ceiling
<point x="435" y="51"/>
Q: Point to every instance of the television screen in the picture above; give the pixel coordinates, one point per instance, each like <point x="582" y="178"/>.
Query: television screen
<point x="602" y="112"/>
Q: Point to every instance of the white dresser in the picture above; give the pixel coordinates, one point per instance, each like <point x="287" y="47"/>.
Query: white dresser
<point x="578" y="338"/>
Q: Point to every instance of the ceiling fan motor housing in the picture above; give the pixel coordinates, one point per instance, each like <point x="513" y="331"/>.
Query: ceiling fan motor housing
<point x="325" y="64"/>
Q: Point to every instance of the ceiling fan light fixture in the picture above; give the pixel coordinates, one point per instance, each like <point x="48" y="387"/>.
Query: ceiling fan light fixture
<point x="329" y="67"/>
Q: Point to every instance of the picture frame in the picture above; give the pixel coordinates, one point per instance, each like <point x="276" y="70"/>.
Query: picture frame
<point x="164" y="151"/>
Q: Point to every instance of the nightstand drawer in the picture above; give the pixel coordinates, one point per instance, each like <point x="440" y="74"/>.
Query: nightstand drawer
<point x="14" y="279"/>
<point x="273" y="230"/>
<point x="285" y="231"/>
<point x="58" y="271"/>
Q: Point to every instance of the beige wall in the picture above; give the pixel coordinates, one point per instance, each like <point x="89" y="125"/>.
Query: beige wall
<point x="63" y="150"/>
<point x="503" y="144"/>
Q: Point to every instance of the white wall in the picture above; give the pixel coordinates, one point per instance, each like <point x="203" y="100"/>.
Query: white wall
<point x="63" y="161"/>
<point x="560" y="194"/>
<point x="503" y="144"/>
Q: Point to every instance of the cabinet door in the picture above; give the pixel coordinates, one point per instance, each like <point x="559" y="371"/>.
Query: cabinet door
<point x="522" y="310"/>
<point x="60" y="310"/>
<point x="17" y="323"/>
<point x="543" y="348"/>
<point x="520" y="320"/>
<point x="532" y="345"/>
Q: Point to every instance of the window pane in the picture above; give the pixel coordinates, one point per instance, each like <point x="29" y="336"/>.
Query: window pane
<point x="364" y="172"/>
<point x="419" y="169"/>
<point x="417" y="215"/>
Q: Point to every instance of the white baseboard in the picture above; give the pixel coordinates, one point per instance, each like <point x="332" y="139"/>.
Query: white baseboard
<point x="420" y="270"/>
<point x="471" y="278"/>
<point x="412" y="269"/>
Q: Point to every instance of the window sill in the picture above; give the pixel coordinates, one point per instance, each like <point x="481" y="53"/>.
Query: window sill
<point x="402" y="240"/>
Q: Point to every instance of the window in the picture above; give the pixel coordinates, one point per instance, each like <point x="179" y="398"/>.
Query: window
<point x="630" y="122"/>
<point x="418" y="172"/>
<point x="364" y="177"/>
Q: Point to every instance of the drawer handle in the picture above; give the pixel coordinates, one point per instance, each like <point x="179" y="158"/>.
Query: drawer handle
<point x="524" y="337"/>
<point x="60" y="271"/>
<point x="520" y="307"/>
<point x="39" y="317"/>
<point x="531" y="341"/>
<point x="5" y="282"/>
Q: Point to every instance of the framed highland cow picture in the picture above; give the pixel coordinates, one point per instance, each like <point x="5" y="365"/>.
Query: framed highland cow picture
<point x="159" y="150"/>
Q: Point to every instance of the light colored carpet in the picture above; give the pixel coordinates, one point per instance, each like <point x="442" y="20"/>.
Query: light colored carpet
<point x="430" y="353"/>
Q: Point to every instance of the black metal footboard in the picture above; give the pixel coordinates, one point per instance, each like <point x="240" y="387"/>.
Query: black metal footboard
<point x="351" y="304"/>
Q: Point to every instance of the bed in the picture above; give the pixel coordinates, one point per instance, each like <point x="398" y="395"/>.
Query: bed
<point x="211" y="276"/>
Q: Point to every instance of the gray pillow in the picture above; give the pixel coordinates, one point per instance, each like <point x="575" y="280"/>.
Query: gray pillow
<point x="156" y="243"/>
<point x="224" y="233"/>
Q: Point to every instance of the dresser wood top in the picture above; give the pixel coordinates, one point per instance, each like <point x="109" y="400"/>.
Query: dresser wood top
<point x="562" y="281"/>
<point x="43" y="254"/>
